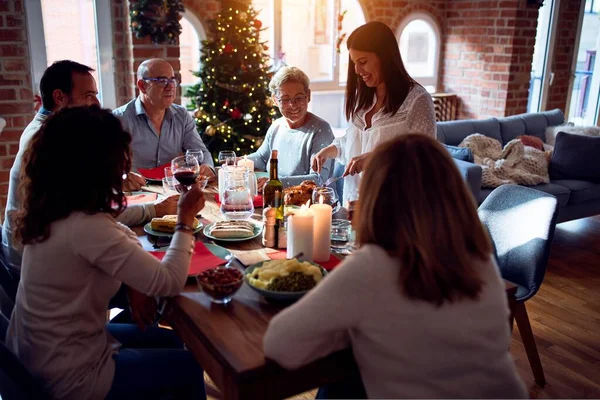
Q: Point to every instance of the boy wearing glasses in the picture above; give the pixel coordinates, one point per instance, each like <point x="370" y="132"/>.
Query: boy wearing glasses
<point x="298" y="135"/>
<point x="160" y="130"/>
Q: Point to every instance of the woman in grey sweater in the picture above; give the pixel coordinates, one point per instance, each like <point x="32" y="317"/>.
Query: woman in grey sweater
<point x="421" y="303"/>
<point x="298" y="135"/>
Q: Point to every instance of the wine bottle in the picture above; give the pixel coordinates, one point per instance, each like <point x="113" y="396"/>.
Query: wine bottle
<point x="273" y="189"/>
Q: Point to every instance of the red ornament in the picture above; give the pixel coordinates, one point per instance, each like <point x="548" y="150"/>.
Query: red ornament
<point x="226" y="104"/>
<point x="228" y="48"/>
<point x="257" y="24"/>
<point x="265" y="47"/>
<point x="236" y="114"/>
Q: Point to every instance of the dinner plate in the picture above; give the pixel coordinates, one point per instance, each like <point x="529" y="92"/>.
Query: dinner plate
<point x="273" y="295"/>
<point x="148" y="229"/>
<point x="258" y="227"/>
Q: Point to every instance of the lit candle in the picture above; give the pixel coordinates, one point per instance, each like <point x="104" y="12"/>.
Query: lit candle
<point x="321" y="231"/>
<point x="245" y="162"/>
<point x="300" y="234"/>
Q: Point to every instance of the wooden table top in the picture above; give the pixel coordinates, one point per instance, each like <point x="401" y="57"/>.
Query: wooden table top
<point x="227" y="340"/>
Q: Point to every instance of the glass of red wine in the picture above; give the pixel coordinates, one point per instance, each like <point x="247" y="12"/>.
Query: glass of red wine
<point x="185" y="169"/>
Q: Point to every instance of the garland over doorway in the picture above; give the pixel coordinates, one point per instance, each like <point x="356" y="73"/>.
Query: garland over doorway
<point x="158" y="19"/>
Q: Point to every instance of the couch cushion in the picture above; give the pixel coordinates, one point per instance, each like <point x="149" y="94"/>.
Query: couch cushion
<point x="460" y="153"/>
<point x="554" y="117"/>
<point x="453" y="132"/>
<point x="561" y="193"/>
<point x="581" y="191"/>
<point x="524" y="124"/>
<point x="575" y="157"/>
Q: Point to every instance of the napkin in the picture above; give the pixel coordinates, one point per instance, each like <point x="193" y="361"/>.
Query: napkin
<point x="141" y="198"/>
<point x="202" y="259"/>
<point x="257" y="201"/>
<point x="154" y="173"/>
<point x="328" y="265"/>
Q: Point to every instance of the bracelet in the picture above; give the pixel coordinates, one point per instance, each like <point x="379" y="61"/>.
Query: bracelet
<point x="183" y="227"/>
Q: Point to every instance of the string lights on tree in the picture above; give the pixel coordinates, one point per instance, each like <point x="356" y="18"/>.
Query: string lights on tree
<point x="232" y="105"/>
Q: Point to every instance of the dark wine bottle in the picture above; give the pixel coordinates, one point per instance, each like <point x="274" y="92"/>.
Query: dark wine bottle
<point x="273" y="189"/>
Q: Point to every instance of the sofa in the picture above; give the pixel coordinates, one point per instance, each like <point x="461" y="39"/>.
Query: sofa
<point x="576" y="198"/>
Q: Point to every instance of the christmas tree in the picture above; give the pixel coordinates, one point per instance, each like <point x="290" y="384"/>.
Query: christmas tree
<point x="232" y="105"/>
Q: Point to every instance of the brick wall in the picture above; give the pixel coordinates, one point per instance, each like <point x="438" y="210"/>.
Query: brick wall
<point x="488" y="50"/>
<point x="16" y="97"/>
<point x="123" y="55"/>
<point x="564" y="49"/>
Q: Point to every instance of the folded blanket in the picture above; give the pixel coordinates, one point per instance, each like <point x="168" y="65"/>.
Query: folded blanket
<point x="515" y="164"/>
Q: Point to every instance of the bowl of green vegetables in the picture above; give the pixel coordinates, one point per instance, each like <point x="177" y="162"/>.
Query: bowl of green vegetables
<point x="284" y="280"/>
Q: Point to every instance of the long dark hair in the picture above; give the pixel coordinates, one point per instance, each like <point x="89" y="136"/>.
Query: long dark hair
<point x="75" y="162"/>
<point x="377" y="37"/>
<point x="418" y="208"/>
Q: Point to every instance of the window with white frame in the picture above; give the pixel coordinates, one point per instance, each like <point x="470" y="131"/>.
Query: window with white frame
<point x="190" y="42"/>
<point x="419" y="39"/>
<point x="67" y="29"/>
<point x="304" y="34"/>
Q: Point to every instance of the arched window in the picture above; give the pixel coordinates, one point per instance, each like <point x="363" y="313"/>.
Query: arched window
<point x="419" y="38"/>
<point x="190" y="42"/>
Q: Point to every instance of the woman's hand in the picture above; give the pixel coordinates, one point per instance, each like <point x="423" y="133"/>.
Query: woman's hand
<point x="322" y="156"/>
<point x="190" y="204"/>
<point x="142" y="307"/>
<point x="356" y="164"/>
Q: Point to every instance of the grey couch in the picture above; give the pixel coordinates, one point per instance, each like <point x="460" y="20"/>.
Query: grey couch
<point x="576" y="198"/>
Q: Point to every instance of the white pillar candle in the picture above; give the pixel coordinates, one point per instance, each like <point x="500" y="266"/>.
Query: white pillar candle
<point x="300" y="234"/>
<point x="245" y="162"/>
<point x="321" y="231"/>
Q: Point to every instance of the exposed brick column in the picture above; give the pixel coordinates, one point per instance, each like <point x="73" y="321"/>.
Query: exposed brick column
<point x="488" y="52"/>
<point x="123" y="55"/>
<point x="16" y="94"/>
<point x="564" y="51"/>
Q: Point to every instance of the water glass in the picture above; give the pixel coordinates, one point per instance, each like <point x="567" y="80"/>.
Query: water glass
<point x="227" y="157"/>
<point x="326" y="195"/>
<point x="169" y="186"/>
<point x="196" y="154"/>
<point x="340" y="233"/>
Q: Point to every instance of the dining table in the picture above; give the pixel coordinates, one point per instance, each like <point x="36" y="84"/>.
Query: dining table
<point x="227" y="339"/>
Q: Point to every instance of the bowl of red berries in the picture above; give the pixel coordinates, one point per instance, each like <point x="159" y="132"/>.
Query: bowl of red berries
<point x="221" y="283"/>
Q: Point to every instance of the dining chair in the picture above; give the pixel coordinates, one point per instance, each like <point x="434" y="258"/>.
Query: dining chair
<point x="15" y="381"/>
<point x="521" y="223"/>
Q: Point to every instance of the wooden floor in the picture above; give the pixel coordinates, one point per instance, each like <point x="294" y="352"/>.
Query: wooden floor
<point x="565" y="316"/>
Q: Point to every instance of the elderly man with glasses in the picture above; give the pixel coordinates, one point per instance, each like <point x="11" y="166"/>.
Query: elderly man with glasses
<point x="298" y="135"/>
<point x="160" y="130"/>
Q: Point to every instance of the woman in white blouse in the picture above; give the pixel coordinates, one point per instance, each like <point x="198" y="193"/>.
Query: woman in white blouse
<point x="382" y="102"/>
<point x="75" y="258"/>
<point x="421" y="302"/>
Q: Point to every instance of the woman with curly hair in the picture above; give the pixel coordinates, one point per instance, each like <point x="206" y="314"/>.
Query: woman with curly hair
<point x="75" y="258"/>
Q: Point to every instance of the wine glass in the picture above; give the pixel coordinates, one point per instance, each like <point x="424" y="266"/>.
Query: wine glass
<point x="227" y="157"/>
<point x="185" y="169"/>
<point x="195" y="153"/>
<point x="326" y="195"/>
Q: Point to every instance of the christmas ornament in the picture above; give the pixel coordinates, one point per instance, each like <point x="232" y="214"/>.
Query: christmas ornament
<point x="248" y="117"/>
<point x="199" y="113"/>
<point x="210" y="130"/>
<point x="236" y="114"/>
<point x="265" y="47"/>
<point x="228" y="48"/>
<point x="243" y="16"/>
<point x="269" y="102"/>
<point x="257" y="24"/>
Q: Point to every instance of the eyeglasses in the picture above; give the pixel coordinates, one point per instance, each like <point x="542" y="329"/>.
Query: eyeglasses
<point x="286" y="101"/>
<point x="163" y="81"/>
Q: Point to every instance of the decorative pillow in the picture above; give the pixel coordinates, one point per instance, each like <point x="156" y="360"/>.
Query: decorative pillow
<point x="531" y="141"/>
<point x="460" y="153"/>
<point x="552" y="131"/>
<point x="575" y="157"/>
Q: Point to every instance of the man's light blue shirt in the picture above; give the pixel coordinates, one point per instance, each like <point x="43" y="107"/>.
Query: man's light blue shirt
<point x="177" y="134"/>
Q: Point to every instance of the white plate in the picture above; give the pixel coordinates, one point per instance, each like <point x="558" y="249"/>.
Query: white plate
<point x="258" y="227"/>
